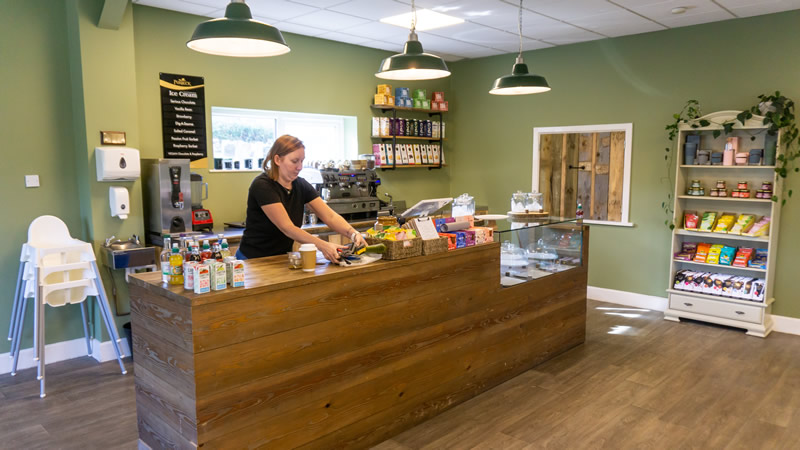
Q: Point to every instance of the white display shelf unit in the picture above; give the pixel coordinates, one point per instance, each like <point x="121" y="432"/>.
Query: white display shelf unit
<point x="750" y="315"/>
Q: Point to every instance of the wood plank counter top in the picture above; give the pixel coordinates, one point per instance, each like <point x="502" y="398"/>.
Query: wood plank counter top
<point x="344" y="357"/>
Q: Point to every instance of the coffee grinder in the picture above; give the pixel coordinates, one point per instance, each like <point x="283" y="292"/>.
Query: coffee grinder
<point x="201" y="217"/>
<point x="167" y="198"/>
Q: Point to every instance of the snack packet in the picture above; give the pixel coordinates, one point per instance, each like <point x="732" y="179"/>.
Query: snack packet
<point x="743" y="257"/>
<point x="709" y="219"/>
<point x="702" y="252"/>
<point x="727" y="255"/>
<point x="761" y="228"/>
<point x="725" y="223"/>
<point x="759" y="260"/>
<point x="690" y="219"/>
<point x="743" y="224"/>
<point x="688" y="249"/>
<point x="713" y="254"/>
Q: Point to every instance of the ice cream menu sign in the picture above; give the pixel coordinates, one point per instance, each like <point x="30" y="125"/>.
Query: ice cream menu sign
<point x="183" y="116"/>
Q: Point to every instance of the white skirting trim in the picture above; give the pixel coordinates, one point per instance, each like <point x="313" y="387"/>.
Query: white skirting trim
<point x="627" y="298"/>
<point x="782" y="324"/>
<point x="61" y="351"/>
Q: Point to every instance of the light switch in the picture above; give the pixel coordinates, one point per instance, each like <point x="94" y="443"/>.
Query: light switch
<point x="31" y="181"/>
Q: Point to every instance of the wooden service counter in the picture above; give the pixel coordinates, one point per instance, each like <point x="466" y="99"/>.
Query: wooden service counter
<point x="343" y="357"/>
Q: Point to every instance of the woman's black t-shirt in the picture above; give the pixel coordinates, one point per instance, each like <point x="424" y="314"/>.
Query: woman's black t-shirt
<point x="262" y="237"/>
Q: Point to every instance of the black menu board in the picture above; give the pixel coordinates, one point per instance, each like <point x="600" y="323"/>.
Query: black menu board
<point x="183" y="117"/>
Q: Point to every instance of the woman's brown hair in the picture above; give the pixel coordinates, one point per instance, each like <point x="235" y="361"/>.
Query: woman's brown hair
<point x="283" y="146"/>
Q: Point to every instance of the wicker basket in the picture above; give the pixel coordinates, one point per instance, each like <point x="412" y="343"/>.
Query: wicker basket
<point x="433" y="246"/>
<point x="399" y="249"/>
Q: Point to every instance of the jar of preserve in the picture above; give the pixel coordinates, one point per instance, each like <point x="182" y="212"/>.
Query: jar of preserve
<point x="385" y="222"/>
<point x="741" y="185"/>
<point x="720" y="184"/>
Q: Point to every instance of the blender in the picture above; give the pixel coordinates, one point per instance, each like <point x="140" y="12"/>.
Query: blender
<point x="201" y="217"/>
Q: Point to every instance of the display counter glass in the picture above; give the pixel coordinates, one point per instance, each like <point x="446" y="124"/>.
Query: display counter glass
<point x="534" y="249"/>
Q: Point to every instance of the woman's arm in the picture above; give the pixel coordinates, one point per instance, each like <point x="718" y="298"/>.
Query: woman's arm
<point x="335" y="221"/>
<point x="277" y="214"/>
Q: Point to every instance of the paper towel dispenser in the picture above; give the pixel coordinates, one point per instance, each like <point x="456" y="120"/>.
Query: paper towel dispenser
<point x="117" y="163"/>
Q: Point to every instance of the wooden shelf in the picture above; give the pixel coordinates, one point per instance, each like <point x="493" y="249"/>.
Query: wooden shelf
<point x="724" y="236"/>
<point x="729" y="199"/>
<point x="415" y="138"/>
<point x="708" y="166"/>
<point x="720" y="266"/>
<point x="410" y="166"/>
<point x="400" y="108"/>
<point x="718" y="298"/>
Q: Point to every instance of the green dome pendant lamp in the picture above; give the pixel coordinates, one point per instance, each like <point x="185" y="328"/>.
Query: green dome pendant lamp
<point x="413" y="63"/>
<point x="237" y="34"/>
<point x="520" y="82"/>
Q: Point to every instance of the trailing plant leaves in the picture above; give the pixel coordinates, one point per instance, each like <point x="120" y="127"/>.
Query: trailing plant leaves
<point x="774" y="198"/>
<point x="790" y="192"/>
<point x="704" y="123"/>
<point x="716" y="133"/>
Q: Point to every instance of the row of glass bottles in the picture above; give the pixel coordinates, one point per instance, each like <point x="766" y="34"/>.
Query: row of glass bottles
<point x="173" y="256"/>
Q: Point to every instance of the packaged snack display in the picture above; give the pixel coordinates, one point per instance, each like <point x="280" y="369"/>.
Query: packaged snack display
<point x="727" y="255"/>
<point x="680" y="276"/>
<point x="392" y="234"/>
<point x="743" y="224"/>
<point x="759" y="260"/>
<point x="688" y="249"/>
<point x="690" y="219"/>
<point x="713" y="254"/>
<point x="709" y="219"/>
<point x="725" y="223"/>
<point x="743" y="257"/>
<point x="757" y="294"/>
<point x="702" y="253"/>
<point x="761" y="228"/>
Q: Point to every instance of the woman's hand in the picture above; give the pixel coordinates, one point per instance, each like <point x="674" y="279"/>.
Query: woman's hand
<point x="329" y="251"/>
<point x="358" y="240"/>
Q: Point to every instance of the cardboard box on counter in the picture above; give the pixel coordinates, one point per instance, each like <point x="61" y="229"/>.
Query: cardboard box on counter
<point x="385" y="89"/>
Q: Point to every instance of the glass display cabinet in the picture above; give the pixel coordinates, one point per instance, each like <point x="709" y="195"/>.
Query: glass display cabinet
<point x="533" y="250"/>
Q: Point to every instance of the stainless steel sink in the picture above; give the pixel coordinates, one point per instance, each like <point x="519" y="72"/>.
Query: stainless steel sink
<point x="119" y="254"/>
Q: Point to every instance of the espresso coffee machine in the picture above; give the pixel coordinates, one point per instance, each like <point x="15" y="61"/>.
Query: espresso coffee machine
<point x="167" y="198"/>
<point x="353" y="194"/>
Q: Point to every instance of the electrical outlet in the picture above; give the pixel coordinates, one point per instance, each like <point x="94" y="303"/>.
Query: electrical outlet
<point x="31" y="181"/>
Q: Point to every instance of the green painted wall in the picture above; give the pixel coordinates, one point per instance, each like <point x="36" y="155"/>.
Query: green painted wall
<point x="36" y="126"/>
<point x="317" y="76"/>
<point x="642" y="79"/>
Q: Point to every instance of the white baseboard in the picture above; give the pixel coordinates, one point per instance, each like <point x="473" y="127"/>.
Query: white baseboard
<point x="61" y="351"/>
<point x="782" y="324"/>
<point x="627" y="298"/>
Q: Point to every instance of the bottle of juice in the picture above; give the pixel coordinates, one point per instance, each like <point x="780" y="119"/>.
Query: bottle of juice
<point x="176" y="266"/>
<point x="226" y="251"/>
<point x="216" y="250"/>
<point x="165" y="254"/>
<point x="206" y="252"/>
<point x="195" y="253"/>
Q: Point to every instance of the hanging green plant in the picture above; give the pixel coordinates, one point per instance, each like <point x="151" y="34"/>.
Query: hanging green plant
<point x="778" y="115"/>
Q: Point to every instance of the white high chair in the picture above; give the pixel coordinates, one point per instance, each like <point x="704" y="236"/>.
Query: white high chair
<point x="56" y="269"/>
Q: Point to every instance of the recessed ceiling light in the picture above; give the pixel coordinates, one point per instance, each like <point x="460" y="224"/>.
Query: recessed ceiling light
<point x="679" y="10"/>
<point x="426" y="20"/>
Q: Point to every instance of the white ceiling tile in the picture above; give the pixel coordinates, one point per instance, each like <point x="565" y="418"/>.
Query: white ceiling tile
<point x="683" y="20"/>
<point x="267" y="20"/>
<point x="279" y="9"/>
<point x="617" y="23"/>
<point x="382" y="45"/>
<point x="379" y="31"/>
<point x="568" y="10"/>
<point x="328" y="20"/>
<point x="372" y="9"/>
<point x="572" y="35"/>
<point x="343" y="37"/>
<point x="697" y="11"/>
<point x="219" y="4"/>
<point x="748" y="8"/>
<point x="485" y="36"/>
<point x="320" y="3"/>
<point x="434" y="44"/>
<point x="298" y="29"/>
<point x="180" y="6"/>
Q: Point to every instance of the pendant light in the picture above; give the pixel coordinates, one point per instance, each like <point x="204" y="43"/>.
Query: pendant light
<point x="237" y="34"/>
<point x="520" y="82"/>
<point x="413" y="63"/>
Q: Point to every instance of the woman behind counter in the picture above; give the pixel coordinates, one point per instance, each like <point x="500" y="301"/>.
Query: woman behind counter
<point x="275" y="204"/>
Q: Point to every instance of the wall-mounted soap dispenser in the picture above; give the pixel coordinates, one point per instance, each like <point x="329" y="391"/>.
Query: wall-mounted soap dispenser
<point x="120" y="202"/>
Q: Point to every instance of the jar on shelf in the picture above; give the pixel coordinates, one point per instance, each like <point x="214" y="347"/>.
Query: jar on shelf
<point x="741" y="185"/>
<point x="720" y="184"/>
<point x="385" y="222"/>
<point x="463" y="205"/>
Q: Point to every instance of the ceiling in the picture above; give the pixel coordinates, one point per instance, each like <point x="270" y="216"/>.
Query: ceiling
<point x="490" y="26"/>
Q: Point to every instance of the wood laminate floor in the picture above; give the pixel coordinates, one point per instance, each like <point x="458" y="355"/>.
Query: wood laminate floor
<point x="638" y="382"/>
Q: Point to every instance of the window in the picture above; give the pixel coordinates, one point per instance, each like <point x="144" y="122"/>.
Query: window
<point x="241" y="138"/>
<point x="590" y="165"/>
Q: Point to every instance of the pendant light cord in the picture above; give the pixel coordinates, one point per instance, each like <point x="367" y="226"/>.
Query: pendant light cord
<point x="414" y="17"/>
<point x="520" y="29"/>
